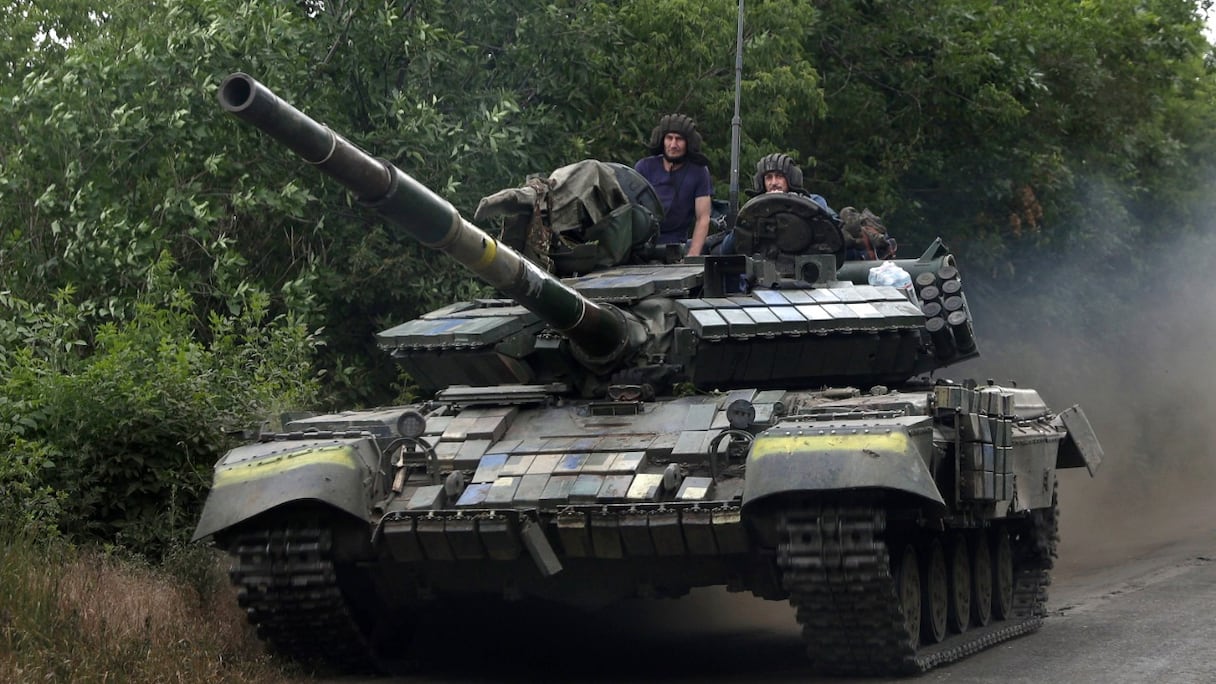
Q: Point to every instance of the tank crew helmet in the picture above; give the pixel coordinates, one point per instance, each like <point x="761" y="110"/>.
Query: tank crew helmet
<point x="685" y="126"/>
<point x="780" y="163"/>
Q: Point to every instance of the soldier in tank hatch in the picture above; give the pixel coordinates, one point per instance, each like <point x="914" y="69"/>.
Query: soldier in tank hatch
<point x="777" y="172"/>
<point x="679" y="174"/>
<point x="865" y="235"/>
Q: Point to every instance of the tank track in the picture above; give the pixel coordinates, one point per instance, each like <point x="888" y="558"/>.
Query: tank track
<point x="288" y="585"/>
<point x="836" y="567"/>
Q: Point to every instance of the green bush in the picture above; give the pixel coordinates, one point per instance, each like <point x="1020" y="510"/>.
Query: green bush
<point x="114" y="440"/>
<point x="27" y="502"/>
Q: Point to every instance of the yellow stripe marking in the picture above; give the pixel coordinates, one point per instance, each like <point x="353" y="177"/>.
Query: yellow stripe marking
<point x="488" y="252"/>
<point x="277" y="464"/>
<point x="895" y="442"/>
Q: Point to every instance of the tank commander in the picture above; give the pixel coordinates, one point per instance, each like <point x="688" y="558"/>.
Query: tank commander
<point x="865" y="235"/>
<point x="777" y="172"/>
<point x="679" y="174"/>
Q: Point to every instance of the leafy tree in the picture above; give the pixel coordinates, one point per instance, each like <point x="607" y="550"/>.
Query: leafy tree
<point x="1017" y="129"/>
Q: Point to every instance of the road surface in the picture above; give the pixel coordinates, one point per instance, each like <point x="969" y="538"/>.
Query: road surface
<point x="1134" y="600"/>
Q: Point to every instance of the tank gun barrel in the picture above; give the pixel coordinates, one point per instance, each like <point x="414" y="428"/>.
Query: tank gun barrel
<point x="601" y="333"/>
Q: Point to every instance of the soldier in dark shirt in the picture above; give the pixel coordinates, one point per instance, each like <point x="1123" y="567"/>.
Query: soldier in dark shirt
<point x="679" y="174"/>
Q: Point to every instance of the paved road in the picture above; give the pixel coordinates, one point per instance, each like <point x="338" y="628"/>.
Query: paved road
<point x="1147" y="619"/>
<point x="1129" y="604"/>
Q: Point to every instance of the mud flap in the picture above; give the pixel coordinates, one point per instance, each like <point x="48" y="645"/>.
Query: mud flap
<point x="1080" y="447"/>
<point x="539" y="548"/>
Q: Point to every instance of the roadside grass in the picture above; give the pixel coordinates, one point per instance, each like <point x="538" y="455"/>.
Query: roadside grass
<point x="72" y="615"/>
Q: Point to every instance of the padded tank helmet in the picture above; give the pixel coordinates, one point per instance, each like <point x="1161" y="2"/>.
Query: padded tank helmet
<point x="781" y="163"/>
<point x="685" y="126"/>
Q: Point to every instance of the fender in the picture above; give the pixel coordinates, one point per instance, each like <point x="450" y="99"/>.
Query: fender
<point x="1080" y="446"/>
<point x="255" y="478"/>
<point x="843" y="454"/>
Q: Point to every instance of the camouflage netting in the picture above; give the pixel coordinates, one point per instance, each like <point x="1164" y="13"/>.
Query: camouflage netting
<point x="577" y="219"/>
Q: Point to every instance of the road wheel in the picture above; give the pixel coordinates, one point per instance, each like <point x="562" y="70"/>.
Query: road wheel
<point x="981" y="580"/>
<point x="935" y="593"/>
<point x="960" y="584"/>
<point x="1002" y="576"/>
<point x="907" y="584"/>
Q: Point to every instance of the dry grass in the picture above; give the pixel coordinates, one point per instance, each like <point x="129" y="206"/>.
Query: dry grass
<point x="75" y="616"/>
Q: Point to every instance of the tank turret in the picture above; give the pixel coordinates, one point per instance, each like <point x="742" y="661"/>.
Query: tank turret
<point x="785" y="311"/>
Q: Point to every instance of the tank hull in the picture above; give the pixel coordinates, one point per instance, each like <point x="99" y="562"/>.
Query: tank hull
<point x="828" y="505"/>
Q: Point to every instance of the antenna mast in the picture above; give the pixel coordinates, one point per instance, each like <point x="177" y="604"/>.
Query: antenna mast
<point x="736" y="126"/>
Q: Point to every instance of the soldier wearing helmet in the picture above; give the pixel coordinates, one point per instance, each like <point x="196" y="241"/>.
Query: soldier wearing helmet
<point x="778" y="173"/>
<point x="865" y="236"/>
<point x="679" y="174"/>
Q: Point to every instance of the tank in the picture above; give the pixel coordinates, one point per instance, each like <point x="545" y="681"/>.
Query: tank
<point x="622" y="423"/>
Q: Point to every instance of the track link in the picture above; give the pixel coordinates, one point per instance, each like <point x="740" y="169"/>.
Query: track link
<point x="836" y="566"/>
<point x="287" y="583"/>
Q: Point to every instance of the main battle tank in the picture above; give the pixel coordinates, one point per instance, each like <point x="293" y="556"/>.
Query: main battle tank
<point x="765" y="420"/>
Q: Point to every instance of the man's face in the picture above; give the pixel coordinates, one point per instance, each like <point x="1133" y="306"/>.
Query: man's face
<point x="674" y="147"/>
<point x="774" y="181"/>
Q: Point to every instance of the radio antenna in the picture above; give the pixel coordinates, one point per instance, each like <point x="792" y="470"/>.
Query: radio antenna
<point x="736" y="126"/>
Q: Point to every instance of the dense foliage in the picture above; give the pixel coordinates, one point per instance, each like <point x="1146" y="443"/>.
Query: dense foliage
<point x="115" y="439"/>
<point x="161" y="265"/>
<point x="1007" y="127"/>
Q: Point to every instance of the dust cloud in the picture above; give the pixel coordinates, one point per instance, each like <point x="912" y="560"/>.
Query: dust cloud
<point x="1132" y="348"/>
